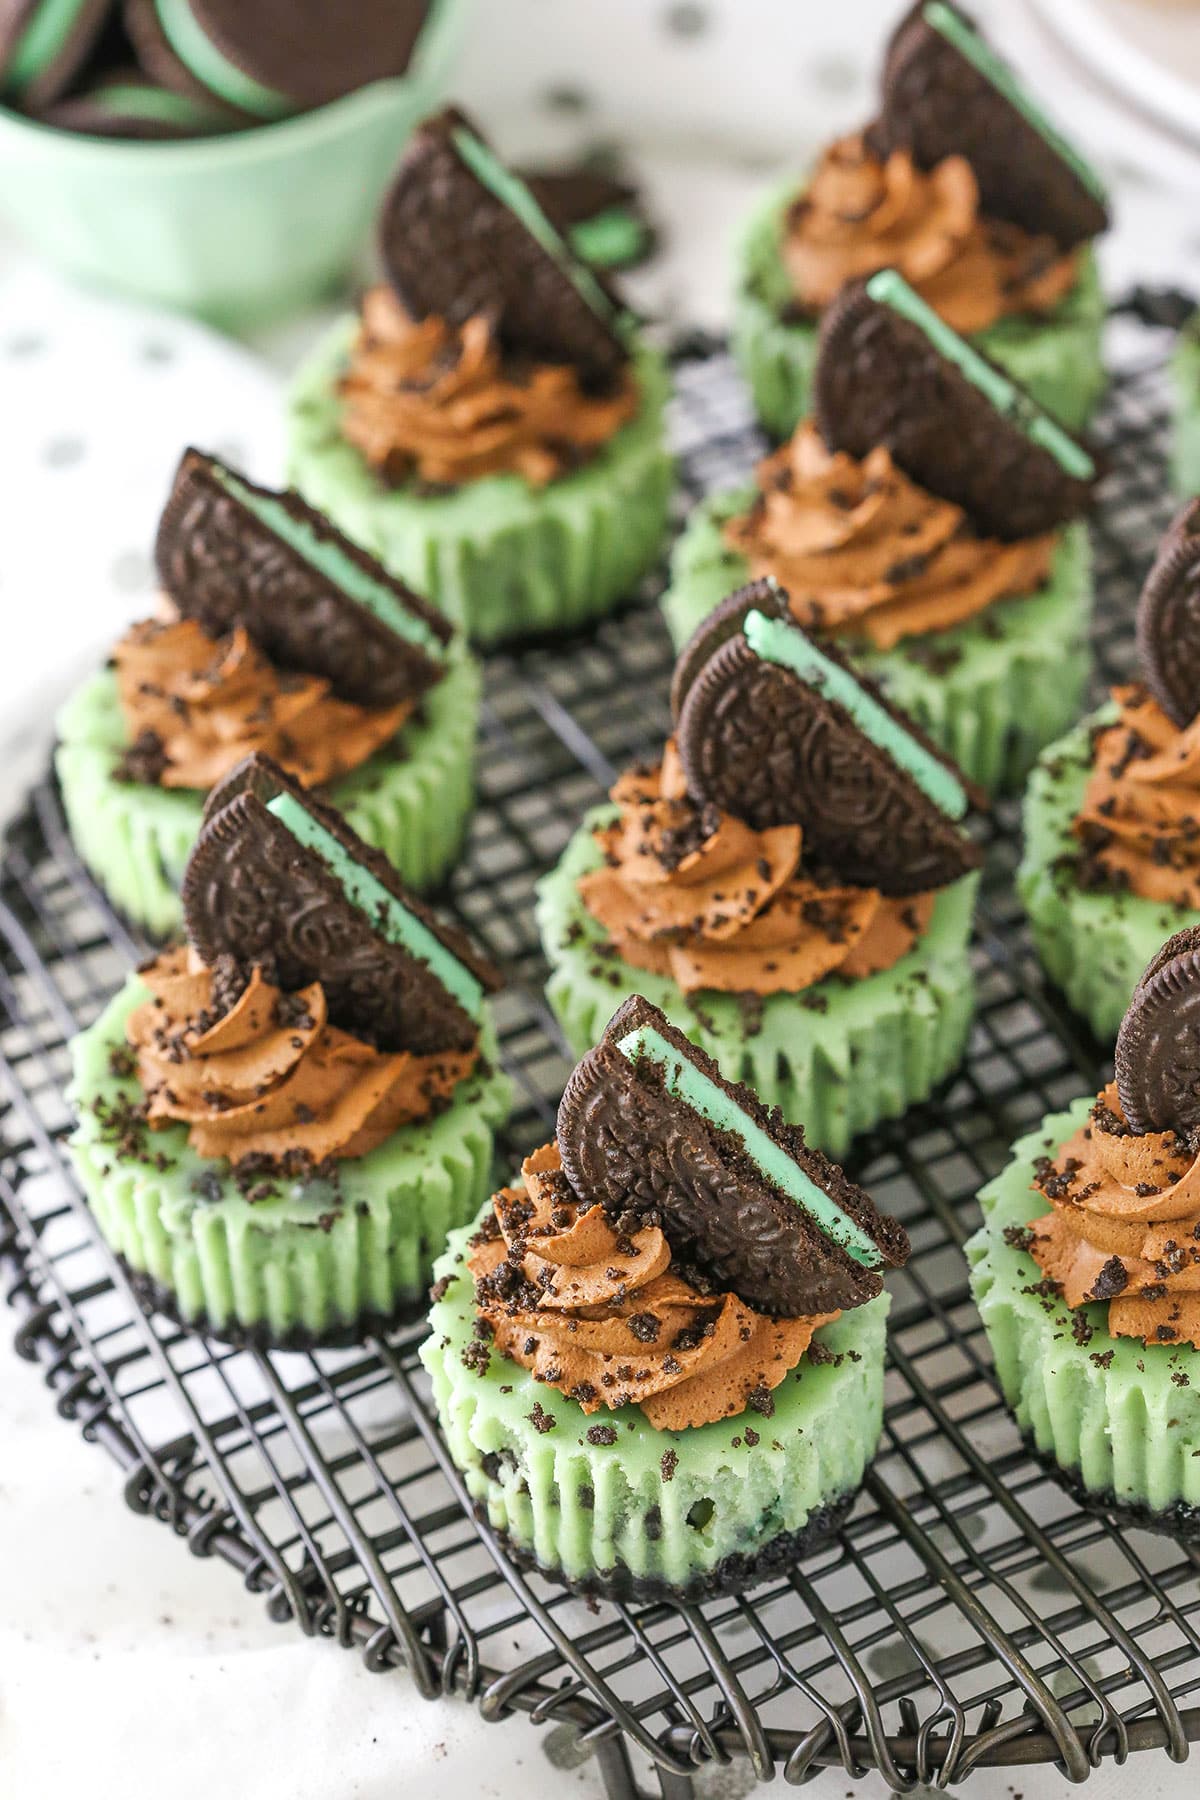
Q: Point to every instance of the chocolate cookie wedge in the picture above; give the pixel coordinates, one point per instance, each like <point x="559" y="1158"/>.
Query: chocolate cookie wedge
<point x="1168" y="619"/>
<point x="891" y="373"/>
<point x="650" y="1129"/>
<point x="231" y="553"/>
<point x="947" y="93"/>
<point x="280" y="880"/>
<point x="777" y="732"/>
<point x="1158" y="1045"/>
<point x="461" y="235"/>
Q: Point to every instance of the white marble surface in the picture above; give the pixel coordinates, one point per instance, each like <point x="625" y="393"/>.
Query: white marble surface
<point x="125" y="1665"/>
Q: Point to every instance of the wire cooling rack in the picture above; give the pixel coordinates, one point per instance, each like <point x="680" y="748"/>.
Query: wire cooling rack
<point x="969" y="1613"/>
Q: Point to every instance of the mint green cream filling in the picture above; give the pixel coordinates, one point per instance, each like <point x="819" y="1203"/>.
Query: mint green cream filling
<point x="775" y="641"/>
<point x="42" y="41"/>
<point x="891" y="290"/>
<point x="196" y="50"/>
<point x="612" y="236"/>
<point x="134" y="99"/>
<point x="700" y="1094"/>
<point x="360" y="887"/>
<point x="967" y="41"/>
<point x="512" y="192"/>
<point x="330" y="560"/>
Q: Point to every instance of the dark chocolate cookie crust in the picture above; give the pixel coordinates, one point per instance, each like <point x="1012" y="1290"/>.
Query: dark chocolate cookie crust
<point x="879" y="381"/>
<point x="154" y="1296"/>
<point x="734" y="1574"/>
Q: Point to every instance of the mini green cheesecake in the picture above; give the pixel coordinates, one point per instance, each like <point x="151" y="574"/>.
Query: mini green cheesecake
<point x="463" y="238"/>
<point x="676" y="1215"/>
<point x="501" y="558"/>
<point x="944" y="92"/>
<point x="1118" y="1421"/>
<point x="891" y="375"/>
<point x="837" y="1058"/>
<point x="216" y="1168"/>
<point x="313" y="1261"/>
<point x="977" y="689"/>
<point x="744" y="1498"/>
<point x="1055" y="356"/>
<point x="412" y="800"/>
<point x="1093" y="945"/>
<point x="773" y="730"/>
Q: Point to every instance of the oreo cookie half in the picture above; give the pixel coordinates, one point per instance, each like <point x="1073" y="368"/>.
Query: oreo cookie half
<point x="1158" y="1045"/>
<point x="460" y="234"/>
<point x="724" y="622"/>
<point x="947" y="93"/>
<point x="280" y="880"/>
<point x="649" y="1128"/>
<point x="1168" y="619"/>
<point x="601" y="216"/>
<point x="44" y="44"/>
<point x="890" y="372"/>
<point x="779" y="732"/>
<point x="230" y="553"/>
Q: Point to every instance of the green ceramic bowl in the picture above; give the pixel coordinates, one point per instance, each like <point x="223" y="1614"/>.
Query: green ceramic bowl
<point x="239" y="229"/>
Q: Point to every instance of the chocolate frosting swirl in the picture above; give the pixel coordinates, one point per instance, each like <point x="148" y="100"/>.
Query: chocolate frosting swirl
<point x="864" y="552"/>
<point x="195" y="706"/>
<point x="608" y="1320"/>
<point x="435" y="403"/>
<point x="1139" y="823"/>
<point x="860" y="214"/>
<point x="1124" y="1226"/>
<point x="698" y="895"/>
<point x="257" y="1073"/>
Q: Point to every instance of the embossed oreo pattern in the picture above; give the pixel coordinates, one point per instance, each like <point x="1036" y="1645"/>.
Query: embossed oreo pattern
<point x="222" y="567"/>
<point x="634" y="1149"/>
<point x="1158" y="1046"/>
<point x="250" y="891"/>
<point x="1168" y="619"/>
<point x="453" y="249"/>
<point x="879" y="381"/>
<point x="725" y="621"/>
<point x="758" y="742"/>
<point x="935" y="104"/>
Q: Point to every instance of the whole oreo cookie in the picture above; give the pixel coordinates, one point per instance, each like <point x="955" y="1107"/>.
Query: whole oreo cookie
<point x="1158" y="1045"/>
<point x="647" y="1156"/>
<point x="947" y="93"/>
<point x="890" y="373"/>
<point x="44" y="44"/>
<point x="229" y="553"/>
<point x="758" y="742"/>
<point x="124" y="104"/>
<point x="724" y="622"/>
<point x="1168" y="619"/>
<point x="255" y="892"/>
<point x="276" y="56"/>
<point x="461" y="235"/>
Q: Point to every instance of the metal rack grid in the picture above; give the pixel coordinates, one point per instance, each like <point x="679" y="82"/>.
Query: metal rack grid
<point x="969" y="1614"/>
